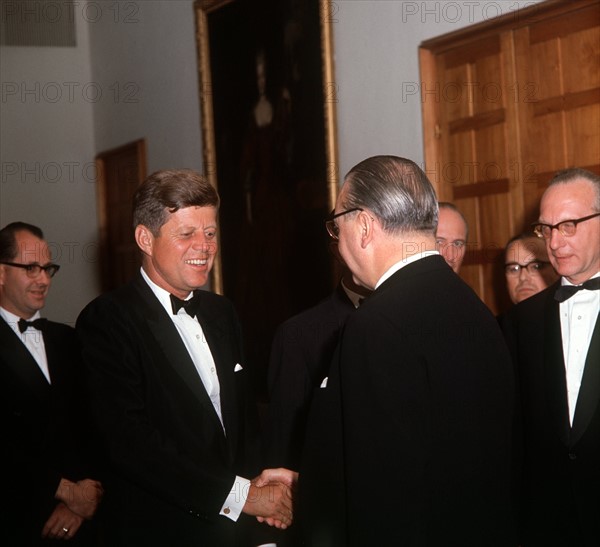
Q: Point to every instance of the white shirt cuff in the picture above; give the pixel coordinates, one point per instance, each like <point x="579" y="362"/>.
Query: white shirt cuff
<point x="235" y="501"/>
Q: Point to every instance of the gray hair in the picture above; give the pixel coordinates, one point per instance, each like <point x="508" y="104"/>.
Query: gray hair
<point x="396" y="191"/>
<point x="574" y="173"/>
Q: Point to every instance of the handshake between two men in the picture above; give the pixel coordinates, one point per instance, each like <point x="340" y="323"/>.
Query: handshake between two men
<point x="270" y="497"/>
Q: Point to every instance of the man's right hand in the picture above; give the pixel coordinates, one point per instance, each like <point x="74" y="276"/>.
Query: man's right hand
<point x="271" y="503"/>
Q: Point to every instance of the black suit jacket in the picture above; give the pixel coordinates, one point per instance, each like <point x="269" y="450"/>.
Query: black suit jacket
<point x="423" y="395"/>
<point x="170" y="465"/>
<point x="301" y="355"/>
<point x="41" y="429"/>
<point x="561" y="474"/>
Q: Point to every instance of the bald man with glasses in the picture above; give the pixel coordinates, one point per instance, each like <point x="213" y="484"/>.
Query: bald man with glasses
<point x="555" y="340"/>
<point x="47" y="493"/>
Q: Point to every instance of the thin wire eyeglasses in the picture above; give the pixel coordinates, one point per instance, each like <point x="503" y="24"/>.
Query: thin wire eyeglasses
<point x="332" y="228"/>
<point x="566" y="227"/>
<point x="33" y="270"/>
<point x="534" y="267"/>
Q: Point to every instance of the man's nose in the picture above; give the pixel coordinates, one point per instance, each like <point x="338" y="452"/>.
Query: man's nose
<point x="556" y="239"/>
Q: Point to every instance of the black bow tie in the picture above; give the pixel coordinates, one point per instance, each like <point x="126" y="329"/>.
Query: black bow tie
<point x="565" y="292"/>
<point x="39" y="324"/>
<point x="191" y="306"/>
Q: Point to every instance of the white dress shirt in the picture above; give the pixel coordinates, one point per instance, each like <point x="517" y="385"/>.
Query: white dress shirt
<point x="578" y="316"/>
<point x="193" y="337"/>
<point x="32" y="338"/>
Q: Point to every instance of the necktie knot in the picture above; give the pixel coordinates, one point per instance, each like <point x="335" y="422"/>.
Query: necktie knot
<point x="39" y="324"/>
<point x="190" y="306"/>
<point x="565" y="292"/>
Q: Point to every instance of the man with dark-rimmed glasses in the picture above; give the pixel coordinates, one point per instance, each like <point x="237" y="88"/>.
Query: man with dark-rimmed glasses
<point x="408" y="441"/>
<point x="555" y="340"/>
<point x="47" y="494"/>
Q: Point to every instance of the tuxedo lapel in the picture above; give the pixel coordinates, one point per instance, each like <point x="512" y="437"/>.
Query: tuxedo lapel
<point x="589" y="392"/>
<point x="165" y="334"/>
<point x="554" y="369"/>
<point x="20" y="361"/>
<point x="217" y="338"/>
<point x="55" y="352"/>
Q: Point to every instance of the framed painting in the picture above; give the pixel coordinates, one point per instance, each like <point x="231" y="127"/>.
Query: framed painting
<point x="268" y="97"/>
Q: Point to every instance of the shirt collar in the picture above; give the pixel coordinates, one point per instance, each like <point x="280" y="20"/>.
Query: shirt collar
<point x="13" y="319"/>
<point x="404" y="262"/>
<point x="163" y="296"/>
<point x="565" y="281"/>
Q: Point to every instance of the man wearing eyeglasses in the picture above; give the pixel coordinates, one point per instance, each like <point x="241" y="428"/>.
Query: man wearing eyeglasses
<point x="418" y="404"/>
<point x="555" y="340"/>
<point x="526" y="267"/>
<point x="46" y="493"/>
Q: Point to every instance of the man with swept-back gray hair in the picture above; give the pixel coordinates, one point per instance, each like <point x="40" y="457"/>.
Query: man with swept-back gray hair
<point x="418" y="405"/>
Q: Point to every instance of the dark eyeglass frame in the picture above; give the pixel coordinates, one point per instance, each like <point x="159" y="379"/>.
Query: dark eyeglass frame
<point x="542" y="264"/>
<point x="35" y="269"/>
<point x="332" y="228"/>
<point x="545" y="230"/>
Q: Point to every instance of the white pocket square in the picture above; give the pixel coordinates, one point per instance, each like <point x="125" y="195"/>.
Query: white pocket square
<point x="237" y="368"/>
<point x="324" y="382"/>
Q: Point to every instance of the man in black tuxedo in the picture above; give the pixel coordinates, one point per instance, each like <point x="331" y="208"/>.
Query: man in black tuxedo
<point x="168" y="386"/>
<point x="555" y="340"/>
<point x="423" y="384"/>
<point x="301" y="355"/>
<point x="47" y="494"/>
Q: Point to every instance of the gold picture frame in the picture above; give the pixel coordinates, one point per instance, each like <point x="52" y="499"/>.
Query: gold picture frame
<point x="205" y="10"/>
<point x="268" y="98"/>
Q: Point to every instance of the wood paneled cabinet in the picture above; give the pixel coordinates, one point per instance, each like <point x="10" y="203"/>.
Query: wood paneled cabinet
<point x="506" y="104"/>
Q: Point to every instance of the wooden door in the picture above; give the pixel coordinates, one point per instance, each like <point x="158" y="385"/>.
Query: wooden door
<point x="507" y="103"/>
<point x="560" y="57"/>
<point x="120" y="171"/>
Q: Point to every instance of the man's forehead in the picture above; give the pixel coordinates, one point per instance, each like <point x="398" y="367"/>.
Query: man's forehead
<point x="30" y="248"/>
<point x="575" y="192"/>
<point x="451" y="219"/>
<point x="524" y="247"/>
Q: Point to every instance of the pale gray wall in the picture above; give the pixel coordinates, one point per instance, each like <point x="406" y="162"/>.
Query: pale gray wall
<point x="133" y="74"/>
<point x="377" y="69"/>
<point x="149" y="56"/>
<point x="46" y="156"/>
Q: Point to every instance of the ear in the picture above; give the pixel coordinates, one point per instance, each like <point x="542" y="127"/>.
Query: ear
<point x="366" y="224"/>
<point x="144" y="239"/>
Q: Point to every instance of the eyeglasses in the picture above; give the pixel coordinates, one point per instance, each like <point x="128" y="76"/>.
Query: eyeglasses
<point x="534" y="267"/>
<point x="566" y="227"/>
<point x="33" y="270"/>
<point x="332" y="228"/>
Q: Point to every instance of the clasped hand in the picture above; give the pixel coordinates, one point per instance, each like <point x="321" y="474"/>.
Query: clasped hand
<point x="270" y="497"/>
<point x="78" y="501"/>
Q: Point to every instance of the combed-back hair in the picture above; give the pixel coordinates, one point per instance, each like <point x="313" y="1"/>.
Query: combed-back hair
<point x="168" y="191"/>
<point x="396" y="191"/>
<point x="8" y="240"/>
<point x="573" y="173"/>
